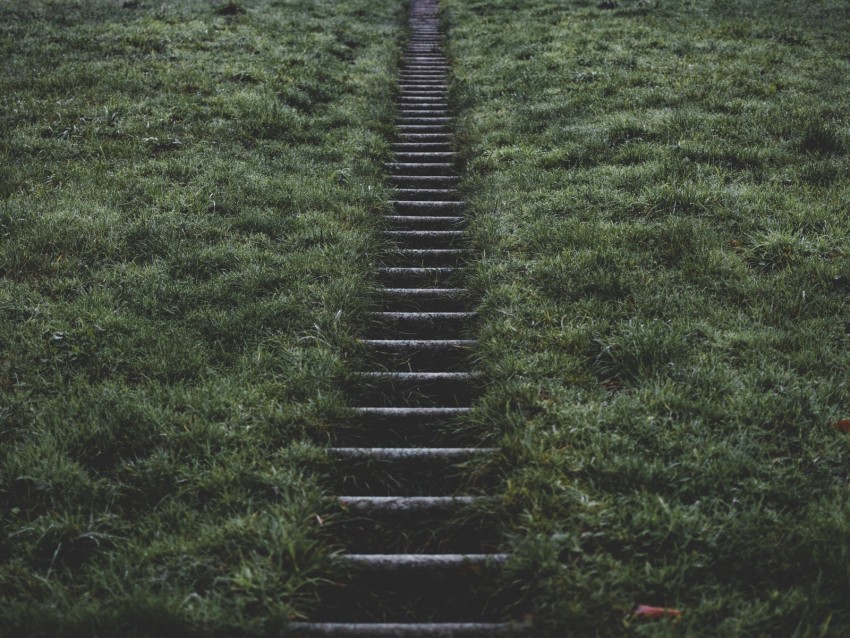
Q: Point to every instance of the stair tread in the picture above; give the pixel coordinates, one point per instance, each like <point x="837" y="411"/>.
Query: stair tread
<point x="409" y="630"/>
<point x="401" y="411"/>
<point x="424" y="343"/>
<point x="421" y="376"/>
<point x="412" y="501"/>
<point x="423" y="291"/>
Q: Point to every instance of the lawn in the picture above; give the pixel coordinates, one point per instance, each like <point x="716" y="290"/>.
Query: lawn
<point x="660" y="193"/>
<point x="188" y="195"/>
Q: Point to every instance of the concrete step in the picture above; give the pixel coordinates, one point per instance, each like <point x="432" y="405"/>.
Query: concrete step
<point x="420" y="168"/>
<point x="421" y="325"/>
<point x="417" y="276"/>
<point x="420" y="355"/>
<point x="425" y="238"/>
<point x="425" y="194"/>
<point x="412" y="147"/>
<point x="369" y="477"/>
<point x="403" y="588"/>
<point x="426" y="257"/>
<point x="428" y="120"/>
<point x="424" y="222"/>
<point x="428" y="207"/>
<point x="408" y="630"/>
<point x="425" y="137"/>
<point x="425" y="156"/>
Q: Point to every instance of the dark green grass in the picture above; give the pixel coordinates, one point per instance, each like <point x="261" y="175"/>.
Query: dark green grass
<point x="187" y="192"/>
<point x="661" y="190"/>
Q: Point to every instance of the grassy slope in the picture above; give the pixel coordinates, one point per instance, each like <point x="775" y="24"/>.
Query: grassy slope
<point x="662" y="190"/>
<point x="186" y="200"/>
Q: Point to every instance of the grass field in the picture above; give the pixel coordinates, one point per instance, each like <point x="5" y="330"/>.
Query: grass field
<point x="661" y="190"/>
<point x="187" y="196"/>
<point x="660" y="193"/>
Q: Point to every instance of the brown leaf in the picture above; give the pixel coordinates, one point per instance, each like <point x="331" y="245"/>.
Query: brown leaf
<point x="842" y="425"/>
<point x="648" y="611"/>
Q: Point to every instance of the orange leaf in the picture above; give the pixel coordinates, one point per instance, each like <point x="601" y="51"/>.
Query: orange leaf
<point x="843" y="425"/>
<point x="648" y="611"/>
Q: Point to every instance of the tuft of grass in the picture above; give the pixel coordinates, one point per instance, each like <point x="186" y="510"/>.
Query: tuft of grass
<point x="660" y="190"/>
<point x="187" y="206"/>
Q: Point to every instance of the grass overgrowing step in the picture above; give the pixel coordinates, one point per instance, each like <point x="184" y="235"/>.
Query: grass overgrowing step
<point x="661" y="193"/>
<point x="189" y="192"/>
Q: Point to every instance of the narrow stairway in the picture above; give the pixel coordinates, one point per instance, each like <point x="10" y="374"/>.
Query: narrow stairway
<point x="420" y="544"/>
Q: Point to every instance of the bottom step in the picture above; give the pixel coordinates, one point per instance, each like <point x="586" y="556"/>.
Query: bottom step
<point x="414" y="588"/>
<point x="407" y="630"/>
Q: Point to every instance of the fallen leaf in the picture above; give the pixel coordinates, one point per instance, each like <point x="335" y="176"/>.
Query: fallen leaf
<point x="648" y="611"/>
<point x="842" y="425"/>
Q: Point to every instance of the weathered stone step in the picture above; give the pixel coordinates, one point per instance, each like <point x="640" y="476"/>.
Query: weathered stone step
<point x="408" y="503"/>
<point x="420" y="112"/>
<point x="436" y="77"/>
<point x="444" y="128"/>
<point x="426" y="238"/>
<point x="422" y="95"/>
<point x="408" y="630"/>
<point x="420" y="168"/>
<point x="421" y="102"/>
<point x="425" y="137"/>
<point x="421" y="355"/>
<point x="421" y="325"/>
<point x="405" y="98"/>
<point x="425" y="156"/>
<point x="367" y="432"/>
<point x="426" y="257"/>
<point x="423" y="84"/>
<point x="426" y="66"/>
<point x="453" y="454"/>
<point x="411" y="276"/>
<point x="431" y="207"/>
<point x="422" y="146"/>
<point x="419" y="277"/>
<point x="425" y="62"/>
<point x="431" y="416"/>
<point x="414" y="109"/>
<point x="411" y="475"/>
<point x="407" y="587"/>
<point x="425" y="119"/>
<point x="425" y="194"/>
<point x="429" y="181"/>
<point x="426" y="90"/>
<point x="408" y="72"/>
<point x="424" y="222"/>
<point x="413" y="392"/>
<point x="417" y="112"/>
<point x="422" y="128"/>
<point x="417" y="181"/>
<point x="418" y="527"/>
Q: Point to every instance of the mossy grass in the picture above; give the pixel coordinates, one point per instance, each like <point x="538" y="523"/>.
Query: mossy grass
<point x="660" y="190"/>
<point x="188" y="199"/>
